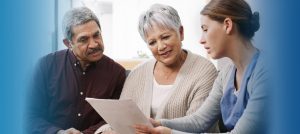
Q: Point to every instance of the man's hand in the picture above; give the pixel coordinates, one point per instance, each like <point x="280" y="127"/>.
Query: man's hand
<point x="109" y="132"/>
<point x="69" y="131"/>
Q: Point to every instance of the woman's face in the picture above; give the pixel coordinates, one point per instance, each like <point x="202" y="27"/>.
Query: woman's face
<point x="165" y="44"/>
<point x="213" y="37"/>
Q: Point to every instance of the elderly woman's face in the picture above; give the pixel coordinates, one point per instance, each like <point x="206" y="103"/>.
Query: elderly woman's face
<point x="165" y="44"/>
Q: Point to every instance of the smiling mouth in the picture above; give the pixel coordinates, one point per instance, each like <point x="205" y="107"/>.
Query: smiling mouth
<point x="165" y="54"/>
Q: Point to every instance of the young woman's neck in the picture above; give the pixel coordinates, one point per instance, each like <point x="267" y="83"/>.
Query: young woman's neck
<point x="241" y="54"/>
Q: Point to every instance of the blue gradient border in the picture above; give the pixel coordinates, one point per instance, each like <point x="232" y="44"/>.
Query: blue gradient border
<point x="26" y="34"/>
<point x="27" y="30"/>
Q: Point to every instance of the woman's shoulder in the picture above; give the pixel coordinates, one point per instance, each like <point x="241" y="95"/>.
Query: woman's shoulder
<point x="143" y="67"/>
<point x="260" y="72"/>
<point x="261" y="65"/>
<point x="199" y="61"/>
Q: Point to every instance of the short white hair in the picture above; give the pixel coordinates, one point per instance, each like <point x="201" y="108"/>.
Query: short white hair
<point x="77" y="16"/>
<point x="161" y="15"/>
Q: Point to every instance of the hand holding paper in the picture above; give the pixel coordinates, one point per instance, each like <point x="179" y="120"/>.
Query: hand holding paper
<point x="122" y="115"/>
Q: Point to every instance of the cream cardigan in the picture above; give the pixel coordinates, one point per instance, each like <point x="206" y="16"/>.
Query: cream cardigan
<point x="192" y="85"/>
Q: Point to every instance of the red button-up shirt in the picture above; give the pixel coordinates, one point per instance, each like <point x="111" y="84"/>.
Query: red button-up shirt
<point x="60" y="86"/>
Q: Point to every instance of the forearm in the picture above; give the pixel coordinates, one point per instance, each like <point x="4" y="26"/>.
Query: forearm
<point x="195" y="123"/>
<point x="180" y="132"/>
<point x="187" y="124"/>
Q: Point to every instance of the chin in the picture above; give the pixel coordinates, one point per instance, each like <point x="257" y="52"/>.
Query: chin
<point x="213" y="56"/>
<point x="94" y="59"/>
<point x="168" y="62"/>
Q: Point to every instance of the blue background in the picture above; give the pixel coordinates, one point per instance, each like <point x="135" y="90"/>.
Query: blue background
<point x="27" y="30"/>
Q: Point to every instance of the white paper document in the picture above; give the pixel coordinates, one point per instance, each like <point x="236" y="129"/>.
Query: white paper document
<point x="121" y="115"/>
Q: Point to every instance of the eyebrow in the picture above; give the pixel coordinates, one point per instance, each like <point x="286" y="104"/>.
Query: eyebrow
<point x="84" y="36"/>
<point x="164" y="34"/>
<point x="97" y="32"/>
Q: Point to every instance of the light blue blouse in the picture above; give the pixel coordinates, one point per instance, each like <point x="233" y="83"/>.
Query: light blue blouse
<point x="254" y="116"/>
<point x="233" y="103"/>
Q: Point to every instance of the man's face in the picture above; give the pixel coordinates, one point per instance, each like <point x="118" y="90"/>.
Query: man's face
<point x="87" y="43"/>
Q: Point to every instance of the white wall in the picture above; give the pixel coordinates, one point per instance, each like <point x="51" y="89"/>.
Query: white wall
<point x="119" y="19"/>
<point x="125" y="19"/>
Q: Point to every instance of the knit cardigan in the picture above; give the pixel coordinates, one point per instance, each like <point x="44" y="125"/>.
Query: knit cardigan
<point x="191" y="87"/>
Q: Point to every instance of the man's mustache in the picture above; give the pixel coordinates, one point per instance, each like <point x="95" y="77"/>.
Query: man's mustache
<point x="94" y="50"/>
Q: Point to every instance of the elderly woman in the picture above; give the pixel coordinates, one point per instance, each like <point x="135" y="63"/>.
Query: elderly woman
<point x="240" y="92"/>
<point x="176" y="82"/>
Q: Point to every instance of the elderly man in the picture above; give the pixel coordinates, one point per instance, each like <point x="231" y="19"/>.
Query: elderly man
<point x="65" y="78"/>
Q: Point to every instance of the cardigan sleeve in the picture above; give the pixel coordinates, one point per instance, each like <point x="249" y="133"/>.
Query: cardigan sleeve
<point x="202" y="88"/>
<point x="204" y="117"/>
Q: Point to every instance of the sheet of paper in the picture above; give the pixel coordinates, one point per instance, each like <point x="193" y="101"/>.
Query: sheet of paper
<point x="121" y="115"/>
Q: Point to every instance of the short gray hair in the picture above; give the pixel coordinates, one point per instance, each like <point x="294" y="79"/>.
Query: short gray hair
<point x="162" y="15"/>
<point x="77" y="16"/>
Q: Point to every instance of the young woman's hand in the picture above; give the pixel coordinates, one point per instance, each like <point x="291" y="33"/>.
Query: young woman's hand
<point x="143" y="129"/>
<point x="155" y="123"/>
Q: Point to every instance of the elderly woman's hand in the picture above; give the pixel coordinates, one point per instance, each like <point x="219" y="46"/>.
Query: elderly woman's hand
<point x="143" y="129"/>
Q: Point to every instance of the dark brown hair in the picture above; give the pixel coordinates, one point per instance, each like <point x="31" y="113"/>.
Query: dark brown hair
<point x="237" y="10"/>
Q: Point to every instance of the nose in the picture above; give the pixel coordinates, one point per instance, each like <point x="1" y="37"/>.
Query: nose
<point x="93" y="43"/>
<point x="202" y="39"/>
<point x="161" y="46"/>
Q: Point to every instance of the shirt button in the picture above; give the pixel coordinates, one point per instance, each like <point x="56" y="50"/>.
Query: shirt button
<point x="81" y="93"/>
<point x="83" y="73"/>
<point x="79" y="114"/>
<point x="75" y="64"/>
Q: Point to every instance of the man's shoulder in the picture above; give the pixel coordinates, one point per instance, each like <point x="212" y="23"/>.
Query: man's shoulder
<point x="53" y="58"/>
<point x="111" y="63"/>
<point x="55" y="55"/>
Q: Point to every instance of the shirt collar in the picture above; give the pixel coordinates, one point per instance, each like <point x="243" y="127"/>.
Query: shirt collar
<point x="76" y="62"/>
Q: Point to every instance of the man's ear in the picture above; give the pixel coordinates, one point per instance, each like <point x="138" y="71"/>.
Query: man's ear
<point x="181" y="32"/>
<point x="67" y="43"/>
<point x="228" y="25"/>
